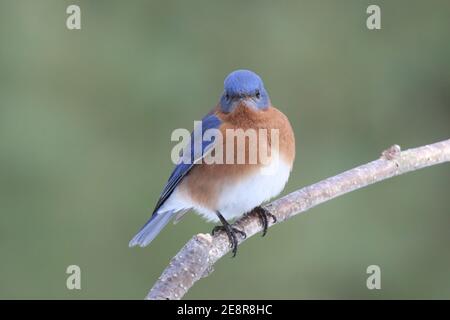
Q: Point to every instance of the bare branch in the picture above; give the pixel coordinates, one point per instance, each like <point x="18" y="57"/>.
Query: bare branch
<point x="196" y="259"/>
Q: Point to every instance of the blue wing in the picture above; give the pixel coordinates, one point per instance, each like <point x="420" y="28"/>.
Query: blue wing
<point x="160" y="219"/>
<point x="181" y="169"/>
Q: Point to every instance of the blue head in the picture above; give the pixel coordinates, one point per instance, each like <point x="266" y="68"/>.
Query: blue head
<point x="243" y="86"/>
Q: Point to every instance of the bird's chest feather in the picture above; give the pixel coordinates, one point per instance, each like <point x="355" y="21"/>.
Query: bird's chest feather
<point x="233" y="188"/>
<point x="234" y="195"/>
<point x="252" y="190"/>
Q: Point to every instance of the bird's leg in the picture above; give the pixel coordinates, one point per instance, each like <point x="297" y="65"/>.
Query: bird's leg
<point x="230" y="231"/>
<point x="263" y="215"/>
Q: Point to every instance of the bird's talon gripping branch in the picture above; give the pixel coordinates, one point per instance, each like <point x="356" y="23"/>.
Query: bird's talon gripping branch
<point x="223" y="228"/>
<point x="242" y="233"/>
<point x="230" y="231"/>
<point x="217" y="229"/>
<point x="263" y="215"/>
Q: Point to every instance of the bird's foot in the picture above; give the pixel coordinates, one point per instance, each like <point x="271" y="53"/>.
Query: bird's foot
<point x="231" y="233"/>
<point x="264" y="215"/>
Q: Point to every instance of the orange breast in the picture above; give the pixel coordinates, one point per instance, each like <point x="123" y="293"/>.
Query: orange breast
<point x="205" y="181"/>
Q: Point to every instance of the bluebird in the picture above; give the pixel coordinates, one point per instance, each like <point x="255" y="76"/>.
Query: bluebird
<point x="221" y="192"/>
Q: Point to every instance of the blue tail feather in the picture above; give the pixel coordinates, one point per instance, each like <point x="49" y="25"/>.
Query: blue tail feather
<point x="151" y="229"/>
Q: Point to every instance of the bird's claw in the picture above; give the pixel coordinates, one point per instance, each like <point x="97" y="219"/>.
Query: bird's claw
<point x="231" y="233"/>
<point x="263" y="215"/>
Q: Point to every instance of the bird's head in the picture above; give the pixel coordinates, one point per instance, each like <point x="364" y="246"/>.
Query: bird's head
<point x="244" y="87"/>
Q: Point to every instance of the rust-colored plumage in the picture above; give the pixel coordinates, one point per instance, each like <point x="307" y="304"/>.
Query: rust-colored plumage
<point x="205" y="181"/>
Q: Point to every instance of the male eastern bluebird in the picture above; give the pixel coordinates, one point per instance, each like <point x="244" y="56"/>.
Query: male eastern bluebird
<point x="224" y="191"/>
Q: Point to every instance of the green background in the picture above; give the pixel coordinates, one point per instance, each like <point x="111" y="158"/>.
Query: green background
<point x="86" y="118"/>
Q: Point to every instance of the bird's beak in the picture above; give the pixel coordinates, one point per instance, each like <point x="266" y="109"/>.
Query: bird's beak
<point x="248" y="102"/>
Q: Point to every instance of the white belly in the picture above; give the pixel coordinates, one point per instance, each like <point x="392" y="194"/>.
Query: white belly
<point x="238" y="199"/>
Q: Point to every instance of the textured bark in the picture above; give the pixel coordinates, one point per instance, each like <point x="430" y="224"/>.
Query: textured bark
<point x="196" y="259"/>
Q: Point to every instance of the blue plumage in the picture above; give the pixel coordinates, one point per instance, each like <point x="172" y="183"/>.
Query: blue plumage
<point x="159" y="219"/>
<point x="243" y="84"/>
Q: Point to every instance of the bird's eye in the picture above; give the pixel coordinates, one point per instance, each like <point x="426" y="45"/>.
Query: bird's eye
<point x="227" y="96"/>
<point x="258" y="94"/>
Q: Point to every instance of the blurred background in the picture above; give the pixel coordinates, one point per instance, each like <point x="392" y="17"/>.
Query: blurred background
<point x="86" y="118"/>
